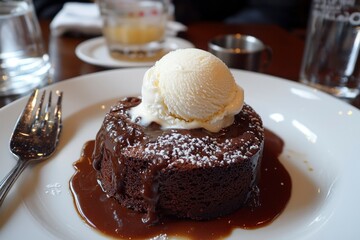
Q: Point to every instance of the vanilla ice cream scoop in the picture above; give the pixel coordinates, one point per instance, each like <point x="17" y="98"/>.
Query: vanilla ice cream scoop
<point x="189" y="88"/>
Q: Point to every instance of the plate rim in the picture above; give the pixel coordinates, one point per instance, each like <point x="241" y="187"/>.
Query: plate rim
<point x="81" y="79"/>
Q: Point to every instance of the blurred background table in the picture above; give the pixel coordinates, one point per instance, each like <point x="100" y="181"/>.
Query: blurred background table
<point x="287" y="49"/>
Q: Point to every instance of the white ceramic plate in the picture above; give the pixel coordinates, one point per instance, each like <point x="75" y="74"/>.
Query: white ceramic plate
<point x="94" y="51"/>
<point x="321" y="153"/>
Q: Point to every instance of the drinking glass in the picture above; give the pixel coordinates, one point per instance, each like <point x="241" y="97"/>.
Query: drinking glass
<point x="24" y="63"/>
<point x="134" y="29"/>
<point x="331" y="59"/>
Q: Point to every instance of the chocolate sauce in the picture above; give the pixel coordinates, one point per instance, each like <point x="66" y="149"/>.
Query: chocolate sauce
<point x="108" y="217"/>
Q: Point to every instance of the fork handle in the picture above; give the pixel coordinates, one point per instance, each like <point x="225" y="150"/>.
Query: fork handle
<point x="9" y="180"/>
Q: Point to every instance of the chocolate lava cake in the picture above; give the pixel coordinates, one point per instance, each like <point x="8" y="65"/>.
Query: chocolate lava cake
<point x="186" y="173"/>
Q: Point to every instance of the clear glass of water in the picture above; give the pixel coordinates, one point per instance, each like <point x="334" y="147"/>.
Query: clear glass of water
<point x="331" y="60"/>
<point x="24" y="63"/>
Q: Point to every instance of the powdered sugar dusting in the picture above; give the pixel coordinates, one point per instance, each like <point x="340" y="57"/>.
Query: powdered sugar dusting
<point x="200" y="152"/>
<point x="179" y="147"/>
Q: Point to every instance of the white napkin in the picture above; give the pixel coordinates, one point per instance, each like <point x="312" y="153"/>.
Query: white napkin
<point x="85" y="18"/>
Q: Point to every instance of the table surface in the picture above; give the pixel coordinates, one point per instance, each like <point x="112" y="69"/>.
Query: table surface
<point x="287" y="49"/>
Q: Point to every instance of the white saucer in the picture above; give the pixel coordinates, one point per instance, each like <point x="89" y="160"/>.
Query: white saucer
<point x="94" y="51"/>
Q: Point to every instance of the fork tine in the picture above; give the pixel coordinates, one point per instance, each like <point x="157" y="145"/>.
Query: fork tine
<point x="48" y="107"/>
<point x="44" y="120"/>
<point x="25" y="117"/>
<point x="29" y="108"/>
<point x="39" y="109"/>
<point x="38" y="123"/>
<point x="58" y="107"/>
<point x="57" y="116"/>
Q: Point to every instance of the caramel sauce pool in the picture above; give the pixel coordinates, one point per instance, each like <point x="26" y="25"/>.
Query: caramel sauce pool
<point x="108" y="217"/>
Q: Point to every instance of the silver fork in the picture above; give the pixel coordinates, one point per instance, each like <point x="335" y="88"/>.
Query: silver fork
<point x="35" y="136"/>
